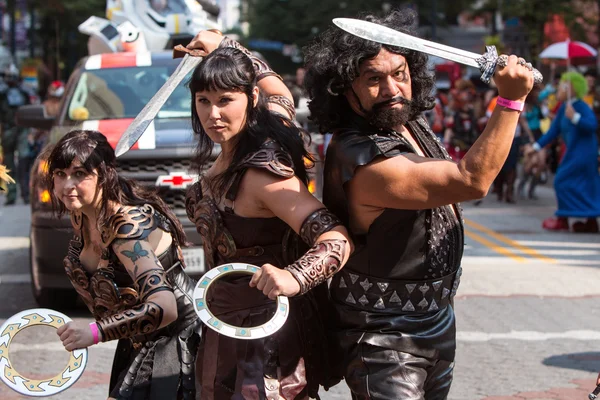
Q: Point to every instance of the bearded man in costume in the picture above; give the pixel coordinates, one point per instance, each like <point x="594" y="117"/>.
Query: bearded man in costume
<point x="393" y="185"/>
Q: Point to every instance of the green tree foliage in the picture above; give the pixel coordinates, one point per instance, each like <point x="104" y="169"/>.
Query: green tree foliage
<point x="58" y="34"/>
<point x="298" y="21"/>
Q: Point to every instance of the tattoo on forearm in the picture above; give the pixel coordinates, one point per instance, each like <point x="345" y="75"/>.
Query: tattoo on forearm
<point x="140" y="320"/>
<point x="137" y="252"/>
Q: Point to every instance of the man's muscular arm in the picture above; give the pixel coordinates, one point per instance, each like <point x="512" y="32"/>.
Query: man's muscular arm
<point x="414" y="182"/>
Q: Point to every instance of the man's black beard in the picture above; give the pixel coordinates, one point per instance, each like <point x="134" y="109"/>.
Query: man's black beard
<point x="384" y="116"/>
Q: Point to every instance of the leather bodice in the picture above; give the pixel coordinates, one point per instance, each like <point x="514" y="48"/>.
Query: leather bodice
<point x="110" y="289"/>
<point x="400" y="244"/>
<point x="228" y="237"/>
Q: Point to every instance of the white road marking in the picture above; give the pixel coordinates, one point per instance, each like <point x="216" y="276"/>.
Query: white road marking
<point x="570" y="252"/>
<point x="57" y="346"/>
<point x="567" y="245"/>
<point x="14" y="243"/>
<point x="15" y="278"/>
<point x="535" y="336"/>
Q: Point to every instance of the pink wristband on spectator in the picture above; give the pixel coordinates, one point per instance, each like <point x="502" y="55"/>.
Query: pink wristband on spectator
<point x="513" y="105"/>
<point x="94" y="329"/>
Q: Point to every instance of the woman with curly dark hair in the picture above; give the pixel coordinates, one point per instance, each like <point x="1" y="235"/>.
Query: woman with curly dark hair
<point x="126" y="264"/>
<point x="392" y="184"/>
<point x="252" y="205"/>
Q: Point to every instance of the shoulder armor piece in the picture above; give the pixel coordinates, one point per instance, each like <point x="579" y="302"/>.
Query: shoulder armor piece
<point x="272" y="158"/>
<point x="350" y="149"/>
<point x="392" y="144"/>
<point x="130" y="223"/>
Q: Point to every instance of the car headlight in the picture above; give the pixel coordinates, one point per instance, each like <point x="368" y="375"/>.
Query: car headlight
<point x="45" y="196"/>
<point x="43" y="167"/>
<point x="312" y="186"/>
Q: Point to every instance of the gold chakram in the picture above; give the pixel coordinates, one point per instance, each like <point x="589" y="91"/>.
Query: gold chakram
<point x="37" y="387"/>
<point x="236" y="332"/>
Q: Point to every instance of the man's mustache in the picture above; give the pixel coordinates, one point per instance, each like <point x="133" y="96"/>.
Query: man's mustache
<point x="394" y="100"/>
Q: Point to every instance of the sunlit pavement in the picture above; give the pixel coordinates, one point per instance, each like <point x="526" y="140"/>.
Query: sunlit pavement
<point x="527" y="308"/>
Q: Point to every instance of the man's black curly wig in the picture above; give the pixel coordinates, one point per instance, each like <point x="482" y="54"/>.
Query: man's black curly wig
<point x="333" y="62"/>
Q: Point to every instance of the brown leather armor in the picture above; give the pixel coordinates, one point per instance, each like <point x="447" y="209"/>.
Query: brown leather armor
<point x="316" y="224"/>
<point x="117" y="303"/>
<point x="318" y="264"/>
<point x="284" y="102"/>
<point x="203" y="211"/>
<point x="272" y="159"/>
<point x="134" y="223"/>
<point x="142" y="319"/>
<point x="150" y="282"/>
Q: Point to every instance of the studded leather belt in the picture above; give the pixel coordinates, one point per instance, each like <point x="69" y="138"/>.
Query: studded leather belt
<point x="396" y="296"/>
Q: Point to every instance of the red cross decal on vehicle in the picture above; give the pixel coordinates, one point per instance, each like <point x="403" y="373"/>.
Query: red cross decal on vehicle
<point x="176" y="180"/>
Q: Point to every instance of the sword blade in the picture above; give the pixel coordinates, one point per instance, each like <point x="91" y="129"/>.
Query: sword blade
<point x="486" y="63"/>
<point x="150" y="110"/>
<point x="383" y="34"/>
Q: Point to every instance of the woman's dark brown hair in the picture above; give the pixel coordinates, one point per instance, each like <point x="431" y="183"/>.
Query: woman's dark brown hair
<point x="230" y="69"/>
<point x="95" y="154"/>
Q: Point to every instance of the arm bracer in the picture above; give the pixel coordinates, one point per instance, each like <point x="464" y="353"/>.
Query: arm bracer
<point x="318" y="264"/>
<point x="316" y="224"/>
<point x="142" y="319"/>
<point x="285" y="103"/>
<point x="150" y="282"/>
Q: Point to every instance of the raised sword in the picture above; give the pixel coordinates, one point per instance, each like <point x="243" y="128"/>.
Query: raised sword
<point x="486" y="62"/>
<point x="191" y="58"/>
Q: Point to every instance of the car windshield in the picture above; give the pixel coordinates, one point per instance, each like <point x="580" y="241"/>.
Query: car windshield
<point x="114" y="93"/>
<point x="166" y="7"/>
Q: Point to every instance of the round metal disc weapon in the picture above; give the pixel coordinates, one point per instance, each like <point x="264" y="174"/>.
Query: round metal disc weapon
<point x="236" y="332"/>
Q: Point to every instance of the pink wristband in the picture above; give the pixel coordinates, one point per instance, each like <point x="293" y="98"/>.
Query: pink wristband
<point x="94" y="329"/>
<point x="513" y="105"/>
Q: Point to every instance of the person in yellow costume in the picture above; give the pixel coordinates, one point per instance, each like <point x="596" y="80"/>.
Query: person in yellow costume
<point x="4" y="177"/>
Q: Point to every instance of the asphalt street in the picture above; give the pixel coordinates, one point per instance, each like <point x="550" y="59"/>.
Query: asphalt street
<point x="528" y="314"/>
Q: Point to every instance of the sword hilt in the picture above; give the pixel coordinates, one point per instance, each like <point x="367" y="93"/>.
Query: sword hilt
<point x="180" y="51"/>
<point x="488" y="62"/>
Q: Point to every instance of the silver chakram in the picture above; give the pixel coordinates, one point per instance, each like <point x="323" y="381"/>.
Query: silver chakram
<point x="486" y="62"/>
<point x="201" y="304"/>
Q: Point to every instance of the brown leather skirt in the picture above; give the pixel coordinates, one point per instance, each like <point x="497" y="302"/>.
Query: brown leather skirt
<point x="289" y="364"/>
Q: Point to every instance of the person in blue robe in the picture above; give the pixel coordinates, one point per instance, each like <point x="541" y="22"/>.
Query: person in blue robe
<point x="577" y="180"/>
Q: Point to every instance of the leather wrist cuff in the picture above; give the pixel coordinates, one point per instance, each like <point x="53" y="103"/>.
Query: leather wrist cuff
<point x="140" y="320"/>
<point x="318" y="264"/>
<point x="316" y="224"/>
<point x="261" y="68"/>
